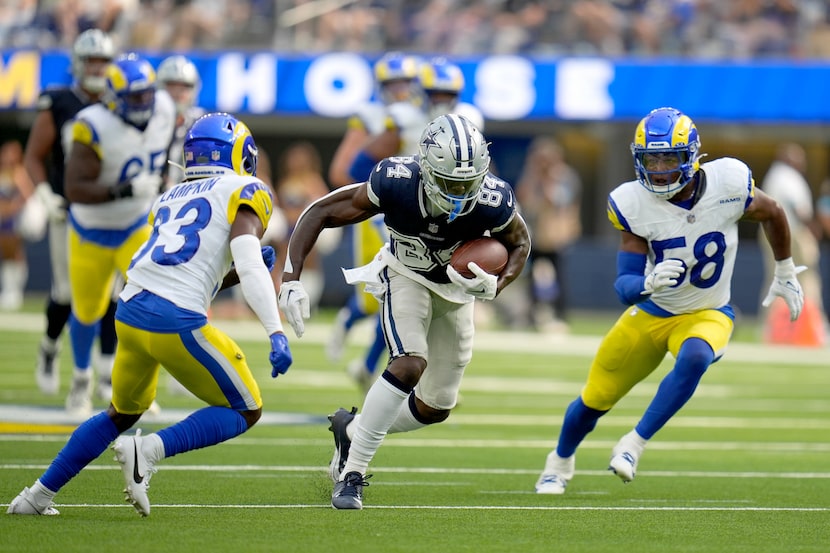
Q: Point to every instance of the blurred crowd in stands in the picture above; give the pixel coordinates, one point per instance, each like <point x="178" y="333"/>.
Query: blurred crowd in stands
<point x="710" y="29"/>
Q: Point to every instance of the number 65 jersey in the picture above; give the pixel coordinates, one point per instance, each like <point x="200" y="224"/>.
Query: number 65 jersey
<point x="188" y="253"/>
<point x="704" y="237"/>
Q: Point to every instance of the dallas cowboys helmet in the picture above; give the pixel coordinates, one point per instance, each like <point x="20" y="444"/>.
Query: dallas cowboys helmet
<point x="219" y="144"/>
<point x="178" y="70"/>
<point x="131" y="89"/>
<point x="90" y="46"/>
<point x="666" y="151"/>
<point x="454" y="159"/>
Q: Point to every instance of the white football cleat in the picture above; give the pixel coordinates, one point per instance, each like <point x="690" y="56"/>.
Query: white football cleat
<point x="47" y="370"/>
<point x="79" y="400"/>
<point x="556" y="475"/>
<point x="137" y="471"/>
<point x="26" y="504"/>
<point x="337" y="338"/>
<point x="625" y="456"/>
<point x="358" y="372"/>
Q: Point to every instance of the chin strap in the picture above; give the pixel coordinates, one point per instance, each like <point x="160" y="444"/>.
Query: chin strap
<point x="457" y="206"/>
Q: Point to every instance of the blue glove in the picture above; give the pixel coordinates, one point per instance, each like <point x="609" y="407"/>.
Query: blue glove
<point x="280" y="356"/>
<point x="269" y="256"/>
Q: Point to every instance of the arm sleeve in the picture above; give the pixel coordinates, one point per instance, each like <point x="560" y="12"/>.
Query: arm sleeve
<point x="630" y="281"/>
<point x="255" y="280"/>
<point x="361" y="167"/>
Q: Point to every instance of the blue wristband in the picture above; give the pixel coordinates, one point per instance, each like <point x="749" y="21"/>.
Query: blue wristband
<point x="630" y="280"/>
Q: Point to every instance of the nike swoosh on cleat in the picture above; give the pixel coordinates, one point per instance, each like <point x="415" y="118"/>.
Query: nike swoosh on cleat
<point x="138" y="478"/>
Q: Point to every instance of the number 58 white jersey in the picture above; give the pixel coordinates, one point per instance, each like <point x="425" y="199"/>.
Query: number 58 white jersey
<point x="188" y="253"/>
<point x="704" y="237"/>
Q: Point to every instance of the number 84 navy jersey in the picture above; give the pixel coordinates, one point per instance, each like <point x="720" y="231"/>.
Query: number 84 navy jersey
<point x="424" y="242"/>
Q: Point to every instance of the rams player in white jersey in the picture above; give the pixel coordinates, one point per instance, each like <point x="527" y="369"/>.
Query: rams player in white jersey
<point x="398" y="106"/>
<point x="113" y="174"/>
<point x="679" y="237"/>
<point x="432" y="202"/>
<point x="205" y="234"/>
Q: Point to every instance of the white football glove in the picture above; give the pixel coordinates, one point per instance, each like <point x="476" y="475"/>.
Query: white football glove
<point x="293" y="301"/>
<point x="785" y="285"/>
<point x="146" y="185"/>
<point x="54" y="204"/>
<point x="664" y="275"/>
<point x="483" y="285"/>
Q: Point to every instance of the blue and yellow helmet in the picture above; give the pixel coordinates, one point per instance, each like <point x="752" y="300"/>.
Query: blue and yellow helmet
<point x="396" y="76"/>
<point x="218" y="144"/>
<point x="441" y="75"/>
<point x="131" y="89"/>
<point x="442" y="82"/>
<point x="666" y="143"/>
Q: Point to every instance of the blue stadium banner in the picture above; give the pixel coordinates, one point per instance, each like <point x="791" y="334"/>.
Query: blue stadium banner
<point x="505" y="88"/>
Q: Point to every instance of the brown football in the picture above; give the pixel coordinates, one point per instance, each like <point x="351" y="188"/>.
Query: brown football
<point x="488" y="253"/>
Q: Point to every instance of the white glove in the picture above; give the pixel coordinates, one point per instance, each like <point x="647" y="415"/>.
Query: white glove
<point x="664" y="275"/>
<point x="785" y="285"/>
<point x="54" y="204"/>
<point x="294" y="304"/>
<point x="146" y="185"/>
<point x="483" y="285"/>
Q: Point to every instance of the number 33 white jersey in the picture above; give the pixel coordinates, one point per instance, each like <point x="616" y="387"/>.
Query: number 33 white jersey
<point x="188" y="253"/>
<point x="704" y="237"/>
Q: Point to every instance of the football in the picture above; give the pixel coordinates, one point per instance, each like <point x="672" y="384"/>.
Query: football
<point x="488" y="253"/>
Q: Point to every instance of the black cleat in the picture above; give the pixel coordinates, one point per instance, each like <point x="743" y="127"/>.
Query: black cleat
<point x="339" y="421"/>
<point x="348" y="494"/>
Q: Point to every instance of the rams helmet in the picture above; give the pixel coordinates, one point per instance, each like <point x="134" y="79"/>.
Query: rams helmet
<point x="131" y="89"/>
<point x="219" y="144"/>
<point x="442" y="82"/>
<point x="666" y="151"/>
<point x="396" y="76"/>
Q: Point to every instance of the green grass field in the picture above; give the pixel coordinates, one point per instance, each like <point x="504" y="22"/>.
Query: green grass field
<point x="743" y="468"/>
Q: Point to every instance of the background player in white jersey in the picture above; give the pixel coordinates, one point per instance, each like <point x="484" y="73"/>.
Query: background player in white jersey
<point x="206" y="234"/>
<point x="432" y="203"/>
<point x="180" y="78"/>
<point x="113" y="174"/>
<point x="44" y="158"/>
<point x="396" y="79"/>
<point x="679" y="238"/>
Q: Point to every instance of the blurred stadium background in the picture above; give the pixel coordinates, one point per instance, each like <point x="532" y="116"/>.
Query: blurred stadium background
<point x="751" y="73"/>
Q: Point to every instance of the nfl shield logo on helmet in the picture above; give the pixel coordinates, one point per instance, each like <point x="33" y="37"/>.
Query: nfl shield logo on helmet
<point x="215" y="155"/>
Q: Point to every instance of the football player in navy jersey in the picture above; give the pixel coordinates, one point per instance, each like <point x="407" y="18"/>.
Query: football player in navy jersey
<point x="432" y="202"/>
<point x="44" y="157"/>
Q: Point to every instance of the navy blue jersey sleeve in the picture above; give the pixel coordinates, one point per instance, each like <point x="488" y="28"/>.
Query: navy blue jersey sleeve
<point x="394" y="181"/>
<point x="64" y="104"/>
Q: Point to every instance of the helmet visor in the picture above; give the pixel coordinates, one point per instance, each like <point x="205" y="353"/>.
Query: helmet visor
<point x="458" y="189"/>
<point x="663" y="162"/>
